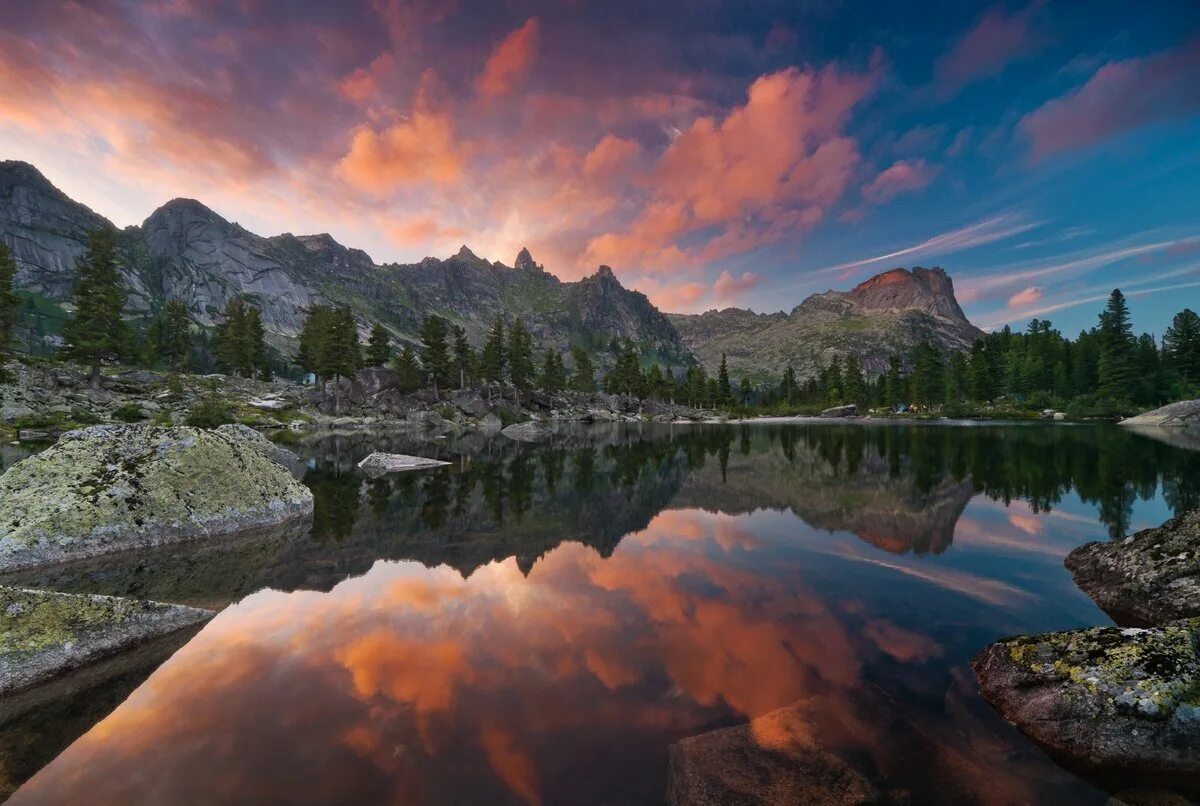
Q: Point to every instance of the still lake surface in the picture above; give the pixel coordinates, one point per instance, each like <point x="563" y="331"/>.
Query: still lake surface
<point x="538" y="623"/>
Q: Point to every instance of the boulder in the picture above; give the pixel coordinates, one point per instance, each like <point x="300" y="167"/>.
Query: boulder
<point x="379" y="463"/>
<point x="841" y="411"/>
<point x="269" y="403"/>
<point x="776" y="758"/>
<point x="1185" y="412"/>
<point x="526" y="432"/>
<point x="491" y="423"/>
<point x="44" y="634"/>
<point x="109" y="488"/>
<point x="372" y="380"/>
<point x="1147" y="578"/>
<point x="469" y="402"/>
<point x="1106" y="698"/>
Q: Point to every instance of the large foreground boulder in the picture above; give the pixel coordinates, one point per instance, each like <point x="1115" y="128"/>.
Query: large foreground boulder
<point x="1148" y="578"/>
<point x="110" y="488"/>
<point x="1185" y="412"/>
<point x="1103" y="698"/>
<point x="45" y="634"/>
<point x="776" y="758"/>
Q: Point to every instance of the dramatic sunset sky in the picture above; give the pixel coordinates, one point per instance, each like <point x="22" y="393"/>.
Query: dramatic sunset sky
<point x="713" y="153"/>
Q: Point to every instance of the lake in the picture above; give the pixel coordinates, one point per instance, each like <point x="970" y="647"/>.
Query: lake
<point x="539" y="623"/>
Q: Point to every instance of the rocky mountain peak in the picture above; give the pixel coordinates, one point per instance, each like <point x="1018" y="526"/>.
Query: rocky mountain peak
<point x="928" y="290"/>
<point x="606" y="273"/>
<point x="182" y="210"/>
<point x="524" y="260"/>
<point x="466" y="254"/>
<point x="17" y="173"/>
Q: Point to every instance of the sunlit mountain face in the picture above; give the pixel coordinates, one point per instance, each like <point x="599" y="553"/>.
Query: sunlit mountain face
<point x="714" y="155"/>
<point x="541" y="622"/>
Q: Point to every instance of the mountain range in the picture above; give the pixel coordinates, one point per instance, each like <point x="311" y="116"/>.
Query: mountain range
<point x="186" y="251"/>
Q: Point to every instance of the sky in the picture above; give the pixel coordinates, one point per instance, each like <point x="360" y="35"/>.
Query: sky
<point x="713" y="153"/>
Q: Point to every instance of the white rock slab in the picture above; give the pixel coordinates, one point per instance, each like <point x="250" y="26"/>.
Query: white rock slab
<point x="379" y="463"/>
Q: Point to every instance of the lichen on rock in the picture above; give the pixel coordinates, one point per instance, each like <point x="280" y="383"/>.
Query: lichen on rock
<point x="1147" y="578"/>
<point x="109" y="488"/>
<point x="1103" y="697"/>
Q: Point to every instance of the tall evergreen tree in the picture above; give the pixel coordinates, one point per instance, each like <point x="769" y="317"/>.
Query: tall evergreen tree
<point x="408" y="372"/>
<point x="854" y="385"/>
<point x="583" y="379"/>
<point x="252" y="343"/>
<point x="724" y="389"/>
<point x="893" y="383"/>
<point x="96" y="332"/>
<point x="789" y="390"/>
<point x="928" y="382"/>
<point x="435" y="353"/>
<point x="553" y="377"/>
<point x="744" y="392"/>
<point x="342" y="355"/>
<point x="521" y="369"/>
<point x="463" y="365"/>
<point x="379" y="346"/>
<point x="1181" y="348"/>
<point x="10" y="303"/>
<point x="1117" y="371"/>
<point x="173" y="335"/>
<point x="494" y="359"/>
<point x="314" y="339"/>
<point x="957" y="378"/>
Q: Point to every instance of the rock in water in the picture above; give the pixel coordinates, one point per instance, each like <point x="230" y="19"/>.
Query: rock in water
<point x="1104" y="697"/>
<point x="1185" y="412"/>
<point x="1148" y="578"/>
<point x="379" y="463"/>
<point x="108" y="488"/>
<point x="841" y="411"/>
<point x="526" y="432"/>
<point x="44" y="634"/>
<point x="775" y="758"/>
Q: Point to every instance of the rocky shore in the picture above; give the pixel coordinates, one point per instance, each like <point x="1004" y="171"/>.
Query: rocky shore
<point x="1115" y="698"/>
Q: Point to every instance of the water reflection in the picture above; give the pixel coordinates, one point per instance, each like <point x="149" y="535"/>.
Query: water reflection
<point x="538" y="623"/>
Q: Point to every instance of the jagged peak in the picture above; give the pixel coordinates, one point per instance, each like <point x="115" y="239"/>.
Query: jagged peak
<point x="466" y="254"/>
<point x="322" y="240"/>
<point x="605" y="273"/>
<point x="182" y="206"/>
<point x="25" y="173"/>
<point x="524" y="260"/>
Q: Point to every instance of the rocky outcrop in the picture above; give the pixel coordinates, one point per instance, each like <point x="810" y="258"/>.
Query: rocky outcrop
<point x="1183" y="413"/>
<point x="114" y="487"/>
<point x="44" y="634"/>
<point x="841" y="411"/>
<point x="377" y="464"/>
<point x="526" y="432"/>
<point x="890" y="313"/>
<point x="1147" y="578"/>
<point x="776" y="758"/>
<point x="1105" y="697"/>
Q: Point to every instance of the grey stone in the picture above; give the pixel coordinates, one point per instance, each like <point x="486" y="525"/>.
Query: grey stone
<point x="376" y="464"/>
<point x="526" y="432"/>
<point x="1184" y="412"/>
<point x="841" y="411"/>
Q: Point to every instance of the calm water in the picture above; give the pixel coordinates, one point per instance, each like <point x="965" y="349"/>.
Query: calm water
<point x="539" y="623"/>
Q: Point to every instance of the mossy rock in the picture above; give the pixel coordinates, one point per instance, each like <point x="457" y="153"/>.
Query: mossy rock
<point x="111" y="488"/>
<point x="1106" y="697"/>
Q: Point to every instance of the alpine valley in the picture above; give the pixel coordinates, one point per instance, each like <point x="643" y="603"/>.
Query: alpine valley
<point x="188" y="252"/>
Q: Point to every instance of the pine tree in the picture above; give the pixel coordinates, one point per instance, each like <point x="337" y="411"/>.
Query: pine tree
<point x="1181" y="348"/>
<point x="957" y="379"/>
<point x="789" y="390"/>
<point x="252" y="347"/>
<point x="744" y="392"/>
<point x="724" y="389"/>
<point x="463" y="365"/>
<point x="10" y="303"/>
<point x="521" y="369"/>
<point x="173" y="335"/>
<point x="928" y="382"/>
<point x="408" y="373"/>
<point x="342" y="355"/>
<point x="314" y="339"/>
<point x="1117" y="373"/>
<point x="553" y="377"/>
<point x="379" y="346"/>
<point x="893" y="383"/>
<point x="97" y="333"/>
<point x="854" y="385"/>
<point x="494" y="359"/>
<point x="584" y="377"/>
<point x="435" y="354"/>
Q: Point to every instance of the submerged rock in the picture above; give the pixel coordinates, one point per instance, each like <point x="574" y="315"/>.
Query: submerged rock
<point x="776" y="758"/>
<point x="526" y="432"/>
<point x="1148" y="578"/>
<point x="1184" y="412"/>
<point x="1106" y="697"/>
<point x="379" y="463"/>
<point x="110" y="488"/>
<point x="44" y="634"/>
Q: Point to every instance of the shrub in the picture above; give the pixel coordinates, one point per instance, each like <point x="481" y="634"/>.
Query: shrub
<point x="210" y="411"/>
<point x="128" y="413"/>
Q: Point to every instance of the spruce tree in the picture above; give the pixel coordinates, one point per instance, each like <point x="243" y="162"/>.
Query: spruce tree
<point x="379" y="346"/>
<point x="553" y="377"/>
<point x="435" y="354"/>
<point x="1181" y="348"/>
<point x="464" y="358"/>
<point x="928" y="382"/>
<point x="342" y="355"/>
<point x="1117" y="372"/>
<point x="854" y="385"/>
<point x="744" y="392"/>
<point x="583" y="379"/>
<point x="494" y="359"/>
<point x="893" y="383"/>
<point x="520" y="356"/>
<point x="789" y="390"/>
<point x="252" y="347"/>
<point x="957" y="380"/>
<point x="10" y="303"/>
<point x="173" y="335"/>
<point x="96" y="332"/>
<point x="227" y="339"/>
<point x="408" y="372"/>
<point x="724" y="389"/>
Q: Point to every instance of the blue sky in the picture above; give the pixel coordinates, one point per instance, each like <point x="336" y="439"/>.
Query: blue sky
<point x="713" y="152"/>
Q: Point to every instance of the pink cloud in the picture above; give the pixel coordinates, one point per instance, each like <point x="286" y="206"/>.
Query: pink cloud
<point x="902" y="176"/>
<point x="728" y="287"/>
<point x="997" y="39"/>
<point x="1026" y="297"/>
<point x="509" y="62"/>
<point x="1119" y="97"/>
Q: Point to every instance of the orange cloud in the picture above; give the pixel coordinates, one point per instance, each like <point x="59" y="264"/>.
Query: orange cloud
<point x="1025" y="297"/>
<point x="509" y="62"/>
<point x="418" y="150"/>
<point x="364" y="85"/>
<point x="901" y="176"/>
<point x="727" y="287"/>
